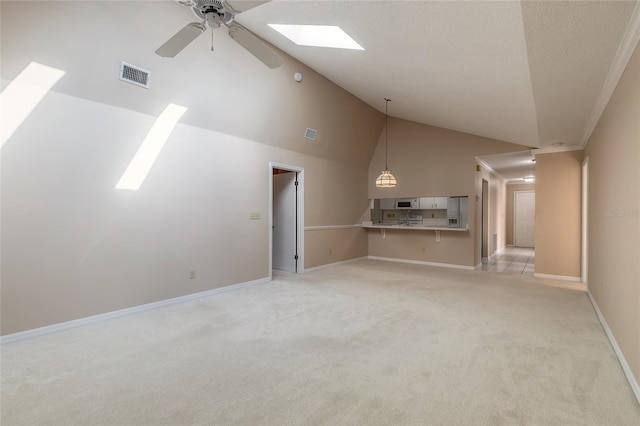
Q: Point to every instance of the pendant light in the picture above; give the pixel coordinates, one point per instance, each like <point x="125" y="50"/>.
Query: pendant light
<point x="386" y="179"/>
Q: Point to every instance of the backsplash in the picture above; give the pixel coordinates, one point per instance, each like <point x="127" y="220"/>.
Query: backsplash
<point x="418" y="217"/>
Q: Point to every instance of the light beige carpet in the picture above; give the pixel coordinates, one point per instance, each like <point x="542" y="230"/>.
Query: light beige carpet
<point x="368" y="343"/>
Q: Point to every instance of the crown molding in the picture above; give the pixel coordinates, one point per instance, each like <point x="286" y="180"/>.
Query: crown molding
<point x="625" y="50"/>
<point x="490" y="169"/>
<point x="554" y="149"/>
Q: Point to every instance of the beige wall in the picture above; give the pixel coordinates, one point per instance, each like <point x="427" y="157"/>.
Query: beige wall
<point x="431" y="161"/>
<point x="497" y="214"/>
<point x="509" y="213"/>
<point x="422" y="246"/>
<point x="614" y="214"/>
<point x="324" y="247"/>
<point x="558" y="177"/>
<point x="73" y="246"/>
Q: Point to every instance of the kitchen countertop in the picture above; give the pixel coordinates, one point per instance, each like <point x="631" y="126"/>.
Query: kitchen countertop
<point x="416" y="228"/>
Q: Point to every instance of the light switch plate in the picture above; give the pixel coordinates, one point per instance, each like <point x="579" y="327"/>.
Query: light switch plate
<point x="255" y="215"/>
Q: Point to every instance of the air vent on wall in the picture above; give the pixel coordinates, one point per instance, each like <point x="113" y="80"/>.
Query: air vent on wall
<point x="310" y="134"/>
<point x="134" y="75"/>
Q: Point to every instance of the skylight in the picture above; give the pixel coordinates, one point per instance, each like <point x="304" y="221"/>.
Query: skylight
<point x="317" y="36"/>
<point x="150" y="148"/>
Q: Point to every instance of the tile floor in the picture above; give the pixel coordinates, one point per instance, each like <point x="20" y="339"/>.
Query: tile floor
<point x="512" y="260"/>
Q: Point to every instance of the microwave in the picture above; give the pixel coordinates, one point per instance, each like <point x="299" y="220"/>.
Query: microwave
<point x="408" y="203"/>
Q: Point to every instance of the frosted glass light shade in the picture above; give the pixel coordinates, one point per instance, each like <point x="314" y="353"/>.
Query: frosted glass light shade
<point x="386" y="180"/>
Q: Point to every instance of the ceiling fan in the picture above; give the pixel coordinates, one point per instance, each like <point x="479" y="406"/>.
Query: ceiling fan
<point x="214" y="14"/>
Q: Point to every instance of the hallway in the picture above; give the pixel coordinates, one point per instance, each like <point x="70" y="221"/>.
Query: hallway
<point x="512" y="260"/>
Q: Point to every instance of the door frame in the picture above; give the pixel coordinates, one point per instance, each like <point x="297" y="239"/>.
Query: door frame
<point x="584" y="225"/>
<point x="484" y="214"/>
<point x="514" y="216"/>
<point x="299" y="215"/>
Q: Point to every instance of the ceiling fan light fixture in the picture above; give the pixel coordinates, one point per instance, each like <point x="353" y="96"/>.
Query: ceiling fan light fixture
<point x="386" y="179"/>
<point x="213" y="20"/>
<point x="215" y="14"/>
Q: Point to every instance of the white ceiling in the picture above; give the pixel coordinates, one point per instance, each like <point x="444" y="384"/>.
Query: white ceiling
<point x="534" y="73"/>
<point x="512" y="166"/>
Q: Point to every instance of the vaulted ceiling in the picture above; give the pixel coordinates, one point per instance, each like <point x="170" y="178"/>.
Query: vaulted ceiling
<point x="534" y="73"/>
<point x="526" y="72"/>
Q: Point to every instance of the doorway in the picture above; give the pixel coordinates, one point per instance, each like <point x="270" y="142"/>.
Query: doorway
<point x="286" y="239"/>
<point x="512" y="260"/>
<point x="524" y="218"/>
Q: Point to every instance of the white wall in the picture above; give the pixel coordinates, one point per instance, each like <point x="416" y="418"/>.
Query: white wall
<point x="74" y="246"/>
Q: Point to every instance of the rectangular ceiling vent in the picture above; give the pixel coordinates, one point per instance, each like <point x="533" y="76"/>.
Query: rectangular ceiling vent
<point x="310" y="134"/>
<point x="134" y="75"/>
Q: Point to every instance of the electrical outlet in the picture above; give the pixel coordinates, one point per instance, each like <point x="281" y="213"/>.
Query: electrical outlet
<point x="424" y="249"/>
<point x="255" y="215"/>
<point x="329" y="251"/>
<point x="192" y="275"/>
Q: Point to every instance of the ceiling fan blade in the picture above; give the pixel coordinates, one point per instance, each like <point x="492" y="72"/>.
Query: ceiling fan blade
<point x="180" y="40"/>
<point x="238" y="6"/>
<point x="254" y="45"/>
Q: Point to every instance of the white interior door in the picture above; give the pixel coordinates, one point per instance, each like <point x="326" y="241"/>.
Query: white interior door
<point x="524" y="218"/>
<point x="284" y="222"/>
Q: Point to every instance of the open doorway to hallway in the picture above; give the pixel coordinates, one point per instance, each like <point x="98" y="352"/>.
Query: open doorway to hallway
<point x="286" y="242"/>
<point x="518" y="258"/>
<point x="512" y="260"/>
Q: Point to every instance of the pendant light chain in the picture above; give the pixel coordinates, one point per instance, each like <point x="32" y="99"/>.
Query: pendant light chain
<point x="386" y="133"/>
<point x="386" y="179"/>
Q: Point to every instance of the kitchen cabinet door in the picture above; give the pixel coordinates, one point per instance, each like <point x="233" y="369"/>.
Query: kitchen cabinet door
<point x="433" y="203"/>
<point x="426" y="203"/>
<point x="387" y="203"/>
<point x="440" y="202"/>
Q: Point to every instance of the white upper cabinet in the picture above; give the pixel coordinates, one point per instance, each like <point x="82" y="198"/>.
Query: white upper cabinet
<point x="433" y="203"/>
<point x="440" y="202"/>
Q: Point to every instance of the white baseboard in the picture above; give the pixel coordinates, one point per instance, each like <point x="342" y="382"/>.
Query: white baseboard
<point x="331" y="227"/>
<point x="420" y="262"/>
<point x="28" y="334"/>
<point x="315" y="268"/>
<point x="558" y="277"/>
<point x="478" y="266"/>
<point x="623" y="362"/>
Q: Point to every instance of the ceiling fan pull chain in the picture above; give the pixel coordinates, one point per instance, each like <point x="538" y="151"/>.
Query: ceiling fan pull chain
<point x="212" y="39"/>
